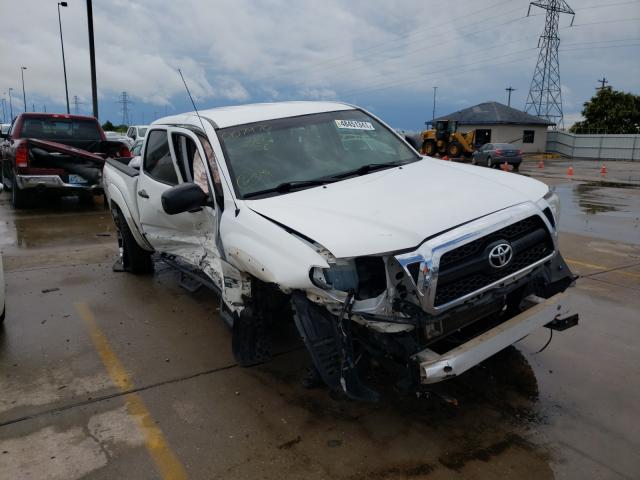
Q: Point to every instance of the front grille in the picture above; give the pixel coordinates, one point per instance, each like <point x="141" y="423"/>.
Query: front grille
<point x="466" y="269"/>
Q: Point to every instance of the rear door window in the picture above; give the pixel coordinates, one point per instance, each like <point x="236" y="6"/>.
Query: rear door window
<point x="158" y="163"/>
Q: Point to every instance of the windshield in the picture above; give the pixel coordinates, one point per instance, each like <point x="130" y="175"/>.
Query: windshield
<point x="60" y="129"/>
<point x="266" y="154"/>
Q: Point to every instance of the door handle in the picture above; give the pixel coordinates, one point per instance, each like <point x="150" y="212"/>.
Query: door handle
<point x="143" y="194"/>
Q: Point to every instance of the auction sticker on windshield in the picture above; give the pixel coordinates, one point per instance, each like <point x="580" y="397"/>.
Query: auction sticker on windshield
<point x="354" y="125"/>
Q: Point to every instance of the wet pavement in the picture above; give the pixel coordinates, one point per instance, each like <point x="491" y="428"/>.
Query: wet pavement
<point x="109" y="375"/>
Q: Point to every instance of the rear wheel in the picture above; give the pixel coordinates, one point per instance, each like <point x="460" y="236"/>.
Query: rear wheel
<point x="516" y="167"/>
<point x="134" y="258"/>
<point x="429" y="148"/>
<point x="18" y="197"/>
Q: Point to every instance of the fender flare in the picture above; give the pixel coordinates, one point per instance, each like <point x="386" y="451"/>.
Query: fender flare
<point x="117" y="199"/>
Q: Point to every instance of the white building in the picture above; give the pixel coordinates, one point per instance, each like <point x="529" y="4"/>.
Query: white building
<point x="497" y="123"/>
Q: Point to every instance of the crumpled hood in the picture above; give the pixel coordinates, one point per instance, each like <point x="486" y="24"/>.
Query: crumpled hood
<point x="398" y="208"/>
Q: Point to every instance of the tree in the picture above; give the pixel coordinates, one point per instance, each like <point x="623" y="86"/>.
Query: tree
<point x="108" y="126"/>
<point x="610" y="111"/>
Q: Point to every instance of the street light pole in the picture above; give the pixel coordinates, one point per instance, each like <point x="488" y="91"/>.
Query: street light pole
<point x="10" y="106"/>
<point x="433" y="116"/>
<point x="64" y="66"/>
<point x="24" y="95"/>
<point x="92" y="59"/>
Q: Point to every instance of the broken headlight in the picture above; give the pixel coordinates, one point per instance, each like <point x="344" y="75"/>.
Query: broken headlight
<point x="341" y="276"/>
<point x="550" y="204"/>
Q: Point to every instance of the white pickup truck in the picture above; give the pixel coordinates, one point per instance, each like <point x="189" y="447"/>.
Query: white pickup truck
<point x="320" y="213"/>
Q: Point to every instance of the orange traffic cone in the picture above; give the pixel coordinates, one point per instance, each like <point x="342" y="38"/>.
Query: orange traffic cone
<point x="541" y="163"/>
<point x="570" y="171"/>
<point x="603" y="170"/>
<point x="505" y="166"/>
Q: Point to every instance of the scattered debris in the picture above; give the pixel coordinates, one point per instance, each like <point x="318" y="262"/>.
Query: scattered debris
<point x="290" y="443"/>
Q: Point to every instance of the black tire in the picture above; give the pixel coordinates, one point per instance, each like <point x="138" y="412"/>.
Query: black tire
<point x="489" y="163"/>
<point x="85" y="198"/>
<point x="429" y="148"/>
<point x="516" y="167"/>
<point x="454" y="150"/>
<point x="135" y="259"/>
<point x="18" y="197"/>
<point x="2" y="315"/>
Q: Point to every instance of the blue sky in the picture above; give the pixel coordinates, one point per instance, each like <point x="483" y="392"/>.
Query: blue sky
<point x="384" y="56"/>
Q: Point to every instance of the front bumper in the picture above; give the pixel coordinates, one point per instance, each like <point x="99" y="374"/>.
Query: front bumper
<point x="53" y="182"/>
<point x="435" y="367"/>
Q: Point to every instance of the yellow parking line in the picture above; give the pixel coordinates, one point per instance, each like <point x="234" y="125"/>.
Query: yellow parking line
<point x="166" y="461"/>
<point x="602" y="267"/>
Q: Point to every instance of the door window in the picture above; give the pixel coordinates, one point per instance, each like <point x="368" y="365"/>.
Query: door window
<point x="157" y="159"/>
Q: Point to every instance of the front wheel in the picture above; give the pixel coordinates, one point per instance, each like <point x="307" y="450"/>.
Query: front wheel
<point x="454" y="150"/>
<point x="135" y="259"/>
<point x="489" y="162"/>
<point x="429" y="148"/>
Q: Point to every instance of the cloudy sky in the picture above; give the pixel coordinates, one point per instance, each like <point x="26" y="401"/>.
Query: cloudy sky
<point x="383" y="55"/>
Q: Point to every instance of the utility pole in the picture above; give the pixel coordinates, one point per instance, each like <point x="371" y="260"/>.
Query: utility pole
<point x="24" y="95"/>
<point x="92" y="60"/>
<point x="33" y="106"/>
<point x="545" y="95"/>
<point x="10" y="105"/>
<point x="602" y="81"/>
<point x="433" y="114"/>
<point x="125" y="102"/>
<point x="4" y="113"/>
<point x="510" y="89"/>
<point x="64" y="64"/>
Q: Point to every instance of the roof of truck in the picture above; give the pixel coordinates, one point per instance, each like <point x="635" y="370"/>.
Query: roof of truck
<point x="255" y="112"/>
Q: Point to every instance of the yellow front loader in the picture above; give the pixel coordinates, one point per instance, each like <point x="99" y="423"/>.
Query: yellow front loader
<point x="446" y="140"/>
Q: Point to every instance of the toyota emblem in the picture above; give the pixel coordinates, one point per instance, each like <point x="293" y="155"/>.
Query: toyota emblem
<point x="500" y="255"/>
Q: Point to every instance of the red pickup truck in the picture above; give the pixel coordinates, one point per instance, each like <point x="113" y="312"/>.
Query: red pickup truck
<point x="55" y="153"/>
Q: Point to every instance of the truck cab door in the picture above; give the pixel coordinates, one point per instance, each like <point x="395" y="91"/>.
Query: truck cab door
<point x="170" y="157"/>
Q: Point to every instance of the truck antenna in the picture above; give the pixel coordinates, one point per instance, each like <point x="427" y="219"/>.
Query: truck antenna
<point x="237" y="210"/>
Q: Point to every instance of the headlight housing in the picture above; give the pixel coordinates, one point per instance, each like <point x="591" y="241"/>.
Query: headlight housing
<point x="341" y="275"/>
<point x="553" y="202"/>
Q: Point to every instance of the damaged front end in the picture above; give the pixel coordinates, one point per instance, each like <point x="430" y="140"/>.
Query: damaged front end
<point x="432" y="313"/>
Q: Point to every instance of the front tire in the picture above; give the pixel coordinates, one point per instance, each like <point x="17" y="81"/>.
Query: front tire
<point x="454" y="150"/>
<point x="135" y="259"/>
<point x="429" y="148"/>
<point x="489" y="162"/>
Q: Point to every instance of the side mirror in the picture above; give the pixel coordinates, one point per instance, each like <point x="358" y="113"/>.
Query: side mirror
<point x="183" y="198"/>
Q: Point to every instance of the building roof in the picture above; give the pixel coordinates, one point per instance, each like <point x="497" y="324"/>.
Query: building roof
<point x="256" y="112"/>
<point x="494" y="113"/>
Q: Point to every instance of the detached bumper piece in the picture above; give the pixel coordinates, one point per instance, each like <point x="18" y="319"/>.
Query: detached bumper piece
<point x="554" y="312"/>
<point x="330" y="345"/>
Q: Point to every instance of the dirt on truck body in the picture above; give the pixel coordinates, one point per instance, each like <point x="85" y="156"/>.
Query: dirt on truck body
<point x="319" y="212"/>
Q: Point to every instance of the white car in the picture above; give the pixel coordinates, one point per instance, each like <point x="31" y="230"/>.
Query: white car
<point x="135" y="132"/>
<point x="119" y="137"/>
<point x="378" y="254"/>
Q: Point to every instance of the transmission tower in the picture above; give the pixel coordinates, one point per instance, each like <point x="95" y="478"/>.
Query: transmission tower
<point x="125" y="102"/>
<point x="76" y="104"/>
<point x="545" y="96"/>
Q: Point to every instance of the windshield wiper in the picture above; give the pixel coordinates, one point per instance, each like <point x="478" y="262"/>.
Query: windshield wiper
<point x="370" y="167"/>
<point x="286" y="187"/>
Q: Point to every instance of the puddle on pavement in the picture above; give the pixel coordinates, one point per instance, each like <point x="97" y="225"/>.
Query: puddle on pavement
<point x="53" y="224"/>
<point x="608" y="210"/>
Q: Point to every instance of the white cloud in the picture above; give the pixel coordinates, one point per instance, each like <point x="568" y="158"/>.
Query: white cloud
<point x="256" y="50"/>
